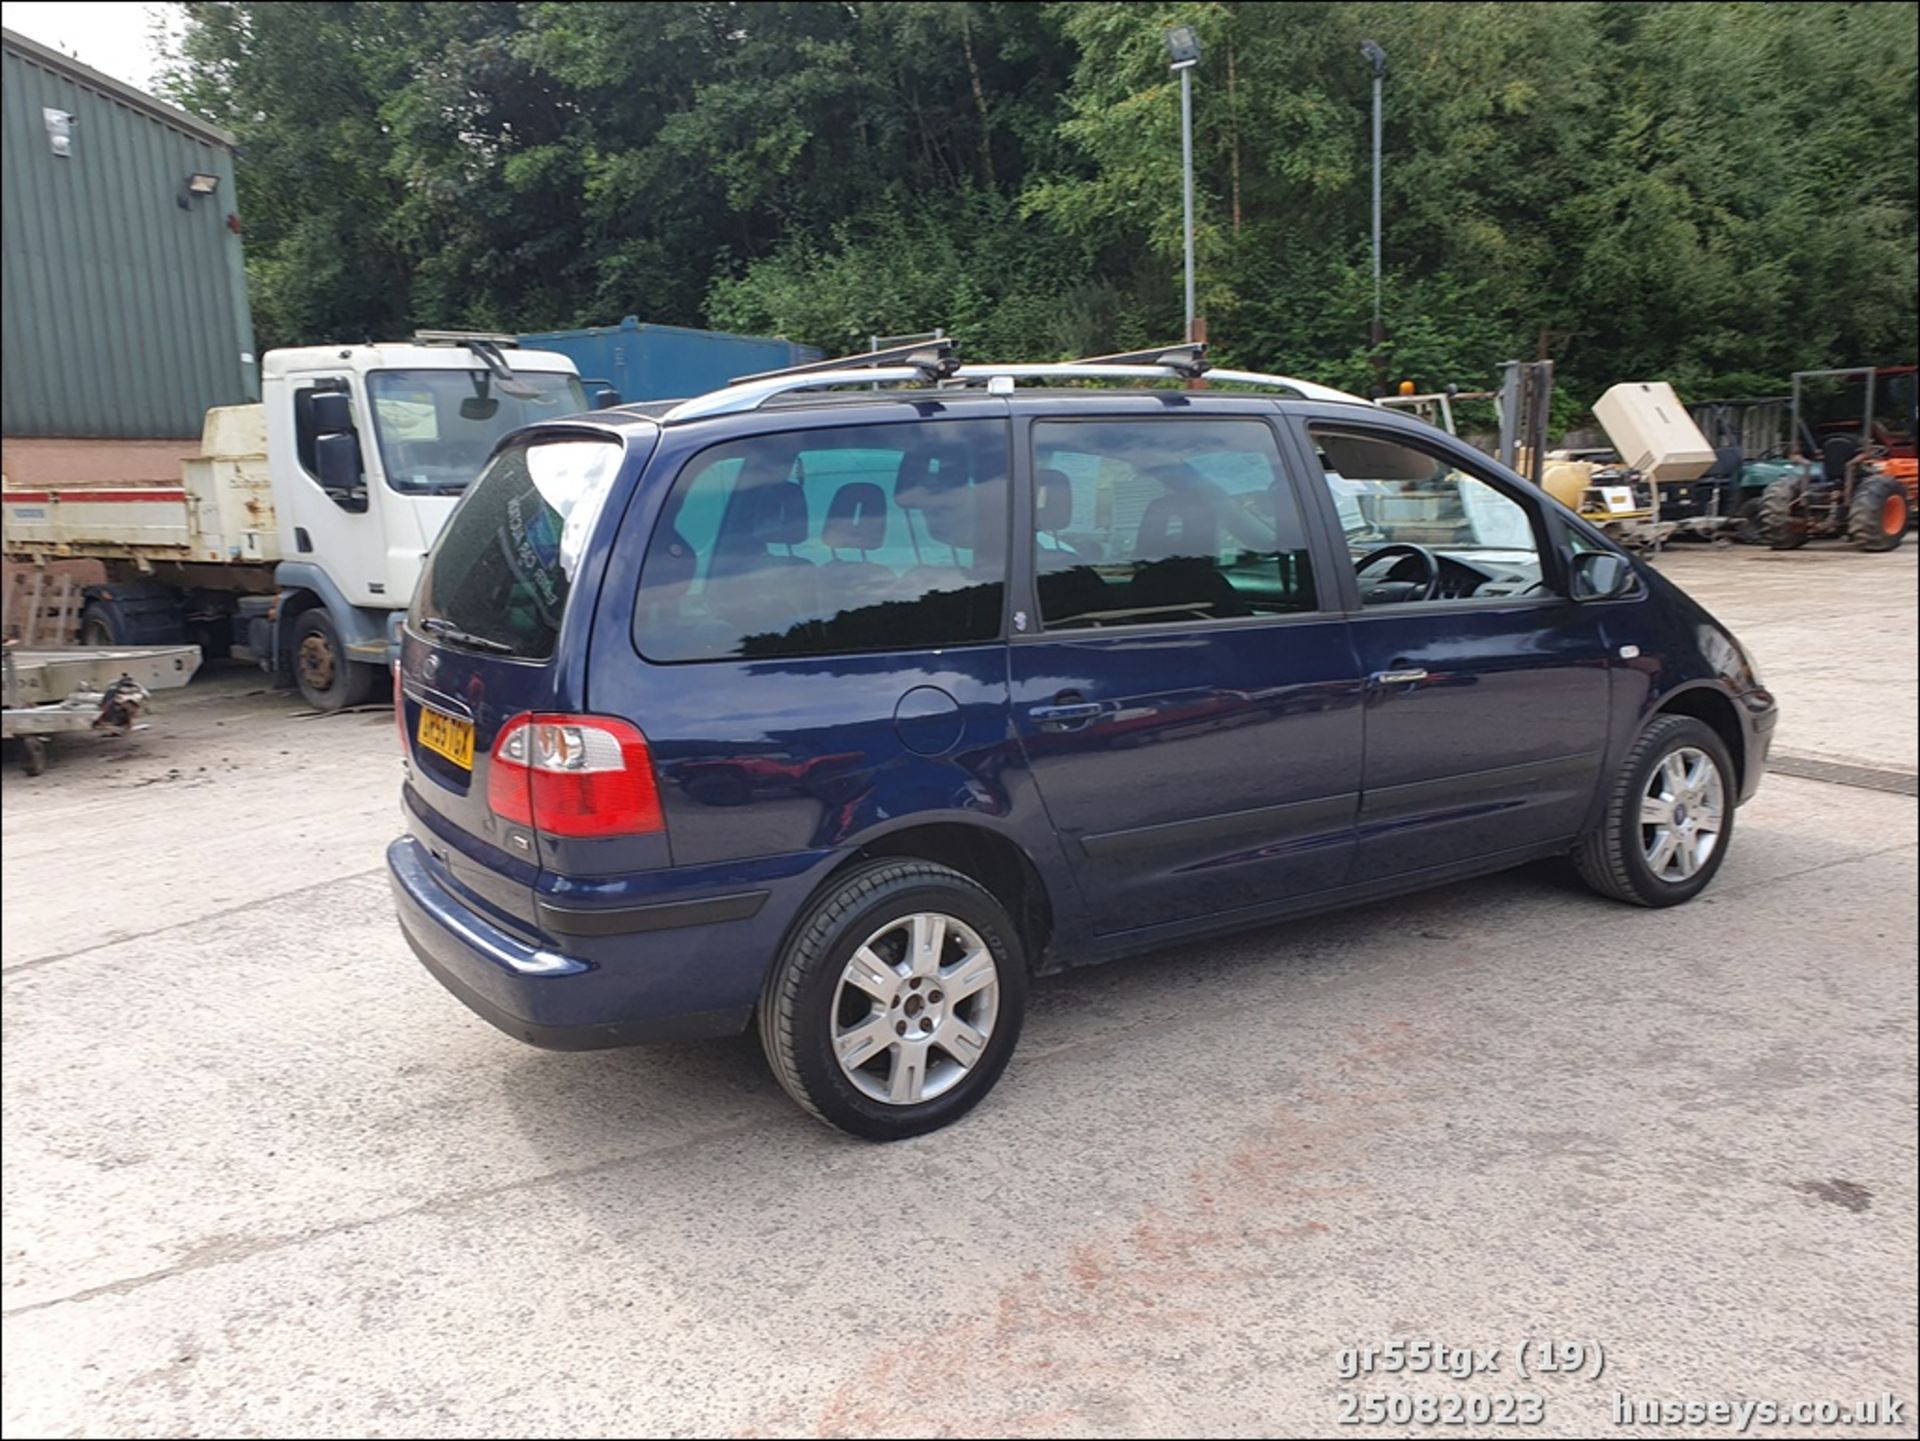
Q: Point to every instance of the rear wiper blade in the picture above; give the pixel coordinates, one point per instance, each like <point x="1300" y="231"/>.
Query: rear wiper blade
<point x="453" y="635"/>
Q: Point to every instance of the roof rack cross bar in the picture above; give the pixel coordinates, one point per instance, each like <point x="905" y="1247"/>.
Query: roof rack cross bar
<point x="933" y="358"/>
<point x="1188" y="359"/>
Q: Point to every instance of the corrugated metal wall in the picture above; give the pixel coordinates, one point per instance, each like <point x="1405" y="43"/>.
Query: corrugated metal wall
<point x="121" y="314"/>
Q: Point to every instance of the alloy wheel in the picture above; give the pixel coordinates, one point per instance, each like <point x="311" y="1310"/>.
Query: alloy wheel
<point x="1682" y="814"/>
<point x="915" y="1008"/>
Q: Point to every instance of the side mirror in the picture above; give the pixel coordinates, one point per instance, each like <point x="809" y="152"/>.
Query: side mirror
<point x="1601" y="575"/>
<point x="332" y="412"/>
<point x="337" y="458"/>
<point x="606" y="399"/>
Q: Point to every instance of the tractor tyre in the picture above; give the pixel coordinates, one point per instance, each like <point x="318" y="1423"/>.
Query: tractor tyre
<point x="1880" y="513"/>
<point x="1780" y="528"/>
<point x="1745" y="528"/>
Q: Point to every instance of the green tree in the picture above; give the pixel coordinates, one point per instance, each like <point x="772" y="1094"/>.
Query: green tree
<point x="1713" y="193"/>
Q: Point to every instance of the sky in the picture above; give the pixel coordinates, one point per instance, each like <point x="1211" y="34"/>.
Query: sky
<point x="114" y="38"/>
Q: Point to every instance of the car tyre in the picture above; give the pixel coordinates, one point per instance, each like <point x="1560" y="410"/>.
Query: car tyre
<point x="1644" y="850"/>
<point x="857" y="1024"/>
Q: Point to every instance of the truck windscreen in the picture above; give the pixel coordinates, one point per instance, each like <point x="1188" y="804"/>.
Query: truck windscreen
<point x="436" y="428"/>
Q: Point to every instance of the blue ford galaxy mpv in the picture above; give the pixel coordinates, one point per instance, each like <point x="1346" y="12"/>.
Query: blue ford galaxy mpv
<point x="845" y="714"/>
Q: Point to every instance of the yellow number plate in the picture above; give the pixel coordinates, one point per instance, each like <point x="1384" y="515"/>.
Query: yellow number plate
<point x="448" y="736"/>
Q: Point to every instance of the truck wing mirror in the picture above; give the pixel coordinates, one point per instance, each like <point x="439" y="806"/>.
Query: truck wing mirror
<point x="605" y="398"/>
<point x="337" y="458"/>
<point x="1601" y="575"/>
<point x="332" y="412"/>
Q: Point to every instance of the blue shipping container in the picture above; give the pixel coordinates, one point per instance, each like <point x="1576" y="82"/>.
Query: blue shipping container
<point x="666" y="362"/>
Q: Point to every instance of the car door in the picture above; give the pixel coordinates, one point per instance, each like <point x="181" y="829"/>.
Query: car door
<point x="819" y="615"/>
<point x="1487" y="688"/>
<point x="1187" y="701"/>
<point x="344" y="528"/>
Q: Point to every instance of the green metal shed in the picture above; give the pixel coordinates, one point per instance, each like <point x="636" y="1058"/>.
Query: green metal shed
<point x="123" y="294"/>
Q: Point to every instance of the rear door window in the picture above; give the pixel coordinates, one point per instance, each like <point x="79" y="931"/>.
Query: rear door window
<point x="1157" y="521"/>
<point x="816" y="542"/>
<point x="499" y="578"/>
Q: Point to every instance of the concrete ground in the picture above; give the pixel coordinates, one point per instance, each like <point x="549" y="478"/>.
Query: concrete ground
<point x="264" y="1177"/>
<point x="1833" y="634"/>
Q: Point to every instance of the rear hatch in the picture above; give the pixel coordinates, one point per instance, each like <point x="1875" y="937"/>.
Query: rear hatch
<point x="481" y="655"/>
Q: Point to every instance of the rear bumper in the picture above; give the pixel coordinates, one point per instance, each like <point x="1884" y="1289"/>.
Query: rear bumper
<point x="545" y="998"/>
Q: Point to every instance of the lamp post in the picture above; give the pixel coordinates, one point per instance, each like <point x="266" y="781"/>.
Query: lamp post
<point x="1377" y="58"/>
<point x="1183" y="50"/>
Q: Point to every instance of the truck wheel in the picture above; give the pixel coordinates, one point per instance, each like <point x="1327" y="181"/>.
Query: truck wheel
<point x="96" y="625"/>
<point x="1878" y="517"/>
<point x="328" y="681"/>
<point x="33" y="755"/>
<point x="893" y="1009"/>
<point x="1669" y="817"/>
<point x="1779" y="526"/>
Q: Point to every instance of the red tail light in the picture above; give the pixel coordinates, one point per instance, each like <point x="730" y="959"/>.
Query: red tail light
<point x="574" y="775"/>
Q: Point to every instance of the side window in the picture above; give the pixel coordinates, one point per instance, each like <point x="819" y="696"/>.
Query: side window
<point x="305" y="432"/>
<point x="1142" y="522"/>
<point x="821" y="542"/>
<point x="1419" y="528"/>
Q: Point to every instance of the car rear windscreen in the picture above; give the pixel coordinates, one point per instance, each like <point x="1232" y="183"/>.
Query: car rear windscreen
<point x="499" y="577"/>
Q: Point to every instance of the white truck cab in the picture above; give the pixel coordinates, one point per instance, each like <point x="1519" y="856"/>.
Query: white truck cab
<point x="302" y="558"/>
<point x="370" y="448"/>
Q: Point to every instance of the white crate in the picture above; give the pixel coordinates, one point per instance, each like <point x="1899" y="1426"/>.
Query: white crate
<point x="1653" y="432"/>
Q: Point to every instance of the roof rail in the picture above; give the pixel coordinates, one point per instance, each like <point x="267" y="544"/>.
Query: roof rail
<point x="1305" y="389"/>
<point x="1102" y="370"/>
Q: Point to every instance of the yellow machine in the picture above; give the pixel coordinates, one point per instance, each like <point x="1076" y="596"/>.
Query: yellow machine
<point x="1603" y="492"/>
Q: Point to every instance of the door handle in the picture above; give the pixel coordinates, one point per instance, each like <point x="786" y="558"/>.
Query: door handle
<point x="1398" y="677"/>
<point x="1063" y="710"/>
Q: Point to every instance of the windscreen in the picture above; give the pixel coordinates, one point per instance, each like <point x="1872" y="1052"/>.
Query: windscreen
<point x="499" y="578"/>
<point x="436" y="428"/>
